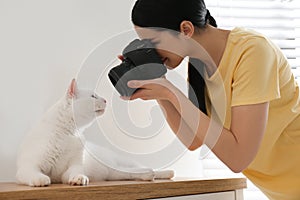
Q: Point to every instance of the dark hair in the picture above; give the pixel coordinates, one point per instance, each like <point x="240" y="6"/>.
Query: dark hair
<point x="169" y="14"/>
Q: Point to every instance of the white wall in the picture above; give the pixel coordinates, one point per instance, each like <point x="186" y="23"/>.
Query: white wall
<point x="43" y="44"/>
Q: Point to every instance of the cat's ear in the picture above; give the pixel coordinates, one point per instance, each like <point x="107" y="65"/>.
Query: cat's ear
<point x="72" y="89"/>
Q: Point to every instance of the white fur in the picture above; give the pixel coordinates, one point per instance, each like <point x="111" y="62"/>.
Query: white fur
<point x="53" y="152"/>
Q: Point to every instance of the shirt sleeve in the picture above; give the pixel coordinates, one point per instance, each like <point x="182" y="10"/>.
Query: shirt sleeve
<point x="256" y="78"/>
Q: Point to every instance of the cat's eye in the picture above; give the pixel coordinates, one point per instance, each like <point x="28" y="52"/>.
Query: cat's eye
<point x="94" y="96"/>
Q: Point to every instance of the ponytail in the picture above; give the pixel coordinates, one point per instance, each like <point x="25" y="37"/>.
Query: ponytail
<point x="196" y="89"/>
<point x="210" y="20"/>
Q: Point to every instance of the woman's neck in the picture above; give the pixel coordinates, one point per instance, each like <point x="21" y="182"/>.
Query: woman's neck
<point x="213" y="41"/>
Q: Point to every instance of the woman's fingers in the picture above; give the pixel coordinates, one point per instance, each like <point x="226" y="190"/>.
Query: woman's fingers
<point x="149" y="89"/>
<point x="134" y="84"/>
<point x="141" y="83"/>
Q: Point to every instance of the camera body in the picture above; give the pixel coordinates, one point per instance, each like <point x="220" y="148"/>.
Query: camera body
<point x="141" y="62"/>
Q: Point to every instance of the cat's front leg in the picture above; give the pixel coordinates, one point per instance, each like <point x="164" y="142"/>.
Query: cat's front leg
<point x="74" y="176"/>
<point x="34" y="178"/>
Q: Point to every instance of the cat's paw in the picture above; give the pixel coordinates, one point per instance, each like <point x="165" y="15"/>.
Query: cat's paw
<point x="79" y="180"/>
<point x="147" y="176"/>
<point x="164" y="174"/>
<point x="39" y="180"/>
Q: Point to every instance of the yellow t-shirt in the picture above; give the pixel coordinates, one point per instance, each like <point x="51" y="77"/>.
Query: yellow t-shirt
<point x="253" y="71"/>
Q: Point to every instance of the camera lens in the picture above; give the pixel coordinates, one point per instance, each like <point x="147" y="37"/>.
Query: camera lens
<point x="119" y="77"/>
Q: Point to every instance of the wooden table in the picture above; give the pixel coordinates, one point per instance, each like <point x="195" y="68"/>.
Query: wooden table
<point x="178" y="188"/>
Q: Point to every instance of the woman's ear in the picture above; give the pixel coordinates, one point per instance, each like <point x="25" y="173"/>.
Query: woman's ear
<point x="187" y="28"/>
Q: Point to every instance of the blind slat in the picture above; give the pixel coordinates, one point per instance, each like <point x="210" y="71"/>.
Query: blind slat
<point x="291" y="53"/>
<point x="250" y="4"/>
<point x="295" y="63"/>
<point x="262" y="23"/>
<point x="287" y="43"/>
<point x="256" y="14"/>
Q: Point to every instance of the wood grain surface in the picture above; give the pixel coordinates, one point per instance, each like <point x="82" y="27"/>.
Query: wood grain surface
<point x="122" y="190"/>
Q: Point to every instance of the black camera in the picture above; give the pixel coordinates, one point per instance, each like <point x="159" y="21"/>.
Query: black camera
<point x="141" y="62"/>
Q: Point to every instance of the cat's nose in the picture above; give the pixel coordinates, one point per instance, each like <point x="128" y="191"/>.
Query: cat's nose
<point x="104" y="100"/>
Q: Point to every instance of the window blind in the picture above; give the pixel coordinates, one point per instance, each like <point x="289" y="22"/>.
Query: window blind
<point x="277" y="19"/>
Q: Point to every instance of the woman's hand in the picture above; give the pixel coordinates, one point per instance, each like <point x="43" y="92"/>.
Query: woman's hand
<point x="158" y="89"/>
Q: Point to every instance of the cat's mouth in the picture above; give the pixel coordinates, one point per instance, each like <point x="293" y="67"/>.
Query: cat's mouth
<point x="100" y="111"/>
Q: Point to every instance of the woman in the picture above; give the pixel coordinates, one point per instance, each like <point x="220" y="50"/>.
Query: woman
<point x="243" y="102"/>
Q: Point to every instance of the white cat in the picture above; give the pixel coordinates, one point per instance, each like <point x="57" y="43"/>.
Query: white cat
<point x="54" y="152"/>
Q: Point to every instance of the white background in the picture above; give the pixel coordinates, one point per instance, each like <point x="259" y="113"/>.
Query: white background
<point x="42" y="46"/>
